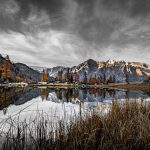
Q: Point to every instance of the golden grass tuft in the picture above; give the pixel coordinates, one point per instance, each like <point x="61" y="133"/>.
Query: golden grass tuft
<point x="126" y="126"/>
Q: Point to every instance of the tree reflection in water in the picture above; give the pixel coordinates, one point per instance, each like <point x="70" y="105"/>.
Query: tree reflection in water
<point x="19" y="96"/>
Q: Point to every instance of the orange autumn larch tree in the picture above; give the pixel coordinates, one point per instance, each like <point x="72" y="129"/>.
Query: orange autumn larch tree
<point x="59" y="76"/>
<point x="5" y="70"/>
<point x="44" y="76"/>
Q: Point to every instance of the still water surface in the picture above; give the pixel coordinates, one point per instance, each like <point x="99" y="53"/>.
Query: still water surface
<point x="60" y="104"/>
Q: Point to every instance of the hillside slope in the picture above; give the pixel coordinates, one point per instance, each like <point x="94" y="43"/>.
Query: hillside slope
<point x="20" y="70"/>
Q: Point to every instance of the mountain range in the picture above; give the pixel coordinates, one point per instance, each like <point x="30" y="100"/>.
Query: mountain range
<point x="122" y="71"/>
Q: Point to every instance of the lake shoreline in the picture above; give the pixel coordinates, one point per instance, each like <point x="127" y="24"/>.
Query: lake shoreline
<point x="128" y="86"/>
<point x="133" y="86"/>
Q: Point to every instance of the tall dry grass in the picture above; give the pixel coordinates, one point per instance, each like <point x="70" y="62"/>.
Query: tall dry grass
<point x="126" y="126"/>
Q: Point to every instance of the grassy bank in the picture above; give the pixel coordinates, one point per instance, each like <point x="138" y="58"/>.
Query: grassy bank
<point x="126" y="126"/>
<point x="128" y="86"/>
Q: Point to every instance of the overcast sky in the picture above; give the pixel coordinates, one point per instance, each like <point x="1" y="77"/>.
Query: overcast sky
<point x="48" y="33"/>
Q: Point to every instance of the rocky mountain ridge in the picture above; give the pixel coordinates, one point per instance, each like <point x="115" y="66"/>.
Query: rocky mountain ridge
<point x="122" y="71"/>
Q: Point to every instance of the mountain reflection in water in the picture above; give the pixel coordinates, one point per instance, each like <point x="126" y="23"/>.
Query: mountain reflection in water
<point x="19" y="96"/>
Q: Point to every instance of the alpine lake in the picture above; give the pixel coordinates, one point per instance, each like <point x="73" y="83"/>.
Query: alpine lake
<point x="61" y="104"/>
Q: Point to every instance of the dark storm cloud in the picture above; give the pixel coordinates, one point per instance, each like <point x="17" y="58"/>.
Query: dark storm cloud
<point x="94" y="20"/>
<point x="14" y="12"/>
<point x="133" y="7"/>
<point x="52" y="7"/>
<point x="8" y="18"/>
<point x="98" y="19"/>
<point x="76" y="29"/>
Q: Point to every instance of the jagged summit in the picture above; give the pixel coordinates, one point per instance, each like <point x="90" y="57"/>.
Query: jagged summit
<point x="90" y="61"/>
<point x="110" y="61"/>
<point x="89" y="64"/>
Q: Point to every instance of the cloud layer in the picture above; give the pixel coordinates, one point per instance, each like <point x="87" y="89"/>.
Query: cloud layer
<point x="66" y="32"/>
